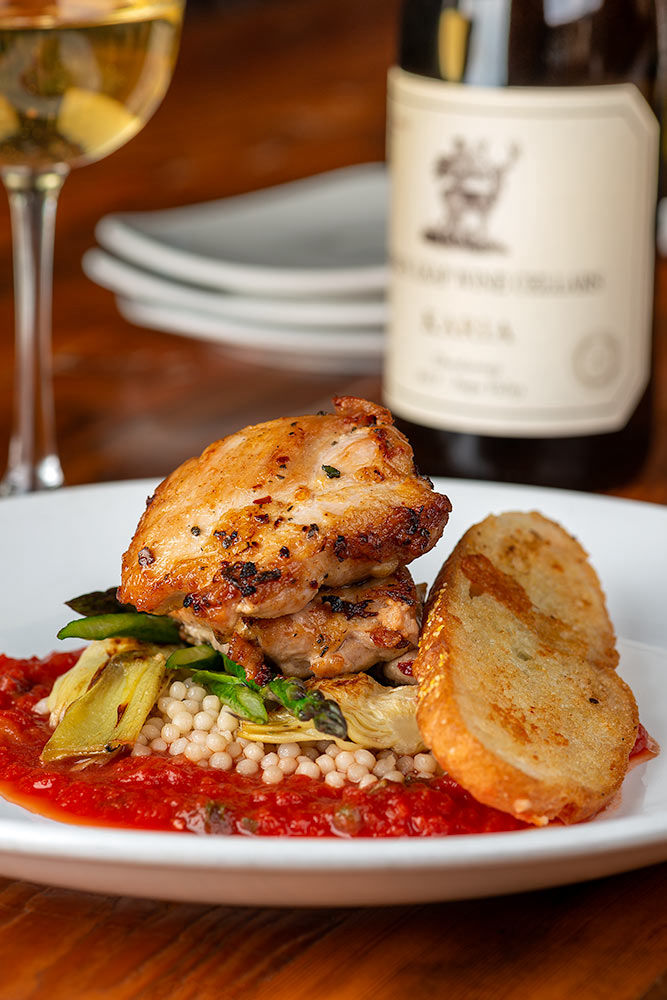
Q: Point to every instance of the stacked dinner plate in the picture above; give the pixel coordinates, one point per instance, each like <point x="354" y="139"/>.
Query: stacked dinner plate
<point x="293" y="275"/>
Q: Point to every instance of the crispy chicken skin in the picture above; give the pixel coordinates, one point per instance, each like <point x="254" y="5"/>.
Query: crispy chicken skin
<point x="265" y="517"/>
<point x="345" y="630"/>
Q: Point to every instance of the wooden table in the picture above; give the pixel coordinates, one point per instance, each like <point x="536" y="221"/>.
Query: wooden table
<point x="266" y="93"/>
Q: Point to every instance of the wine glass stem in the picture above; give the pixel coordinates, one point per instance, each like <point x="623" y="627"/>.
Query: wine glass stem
<point x="33" y="462"/>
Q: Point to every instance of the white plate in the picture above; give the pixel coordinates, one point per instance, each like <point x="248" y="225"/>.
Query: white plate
<point x="52" y="546"/>
<point x="320" y="236"/>
<point x="317" y="349"/>
<point x="132" y="282"/>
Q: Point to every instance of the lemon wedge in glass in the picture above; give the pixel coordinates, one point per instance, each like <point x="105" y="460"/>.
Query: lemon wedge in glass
<point x="94" y="122"/>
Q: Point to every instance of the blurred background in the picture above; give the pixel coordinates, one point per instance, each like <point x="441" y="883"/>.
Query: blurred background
<point x="265" y="91"/>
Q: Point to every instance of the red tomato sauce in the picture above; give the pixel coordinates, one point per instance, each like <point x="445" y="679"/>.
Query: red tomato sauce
<point x="645" y="746"/>
<point x="161" y="793"/>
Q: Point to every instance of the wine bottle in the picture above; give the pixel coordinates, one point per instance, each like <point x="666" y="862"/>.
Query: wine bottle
<point x="523" y="152"/>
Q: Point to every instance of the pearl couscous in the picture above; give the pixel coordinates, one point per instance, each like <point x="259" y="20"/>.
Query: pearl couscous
<point x="190" y="723"/>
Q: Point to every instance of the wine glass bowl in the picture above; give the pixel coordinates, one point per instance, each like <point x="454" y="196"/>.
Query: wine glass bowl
<point x="78" y="79"/>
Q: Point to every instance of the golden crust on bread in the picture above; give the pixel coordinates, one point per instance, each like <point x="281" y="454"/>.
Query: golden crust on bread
<point x="518" y="696"/>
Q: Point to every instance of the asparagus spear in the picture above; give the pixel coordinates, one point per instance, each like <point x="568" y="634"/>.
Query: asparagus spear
<point x="151" y="628"/>
<point x="245" y="696"/>
<point x="234" y="668"/>
<point x="235" y="693"/>
<point x="99" y="602"/>
<point x="194" y="657"/>
<point x="308" y="705"/>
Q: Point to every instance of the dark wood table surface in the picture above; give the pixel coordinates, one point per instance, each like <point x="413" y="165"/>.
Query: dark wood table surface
<point x="266" y="93"/>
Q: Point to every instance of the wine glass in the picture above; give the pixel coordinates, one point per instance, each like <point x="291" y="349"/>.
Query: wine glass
<point x="78" y="79"/>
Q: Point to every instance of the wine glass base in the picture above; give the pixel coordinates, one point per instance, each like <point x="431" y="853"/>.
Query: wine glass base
<point x="46" y="475"/>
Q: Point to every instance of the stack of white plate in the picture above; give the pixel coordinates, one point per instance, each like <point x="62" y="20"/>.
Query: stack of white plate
<point x="293" y="275"/>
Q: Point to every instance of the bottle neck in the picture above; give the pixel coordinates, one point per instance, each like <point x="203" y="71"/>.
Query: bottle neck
<point x="497" y="43"/>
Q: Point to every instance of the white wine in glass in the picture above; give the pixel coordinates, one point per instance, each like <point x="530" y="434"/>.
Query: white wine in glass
<point x="78" y="79"/>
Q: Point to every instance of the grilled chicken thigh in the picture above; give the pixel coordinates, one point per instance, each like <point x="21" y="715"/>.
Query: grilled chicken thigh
<point x="265" y="517"/>
<point x="341" y="631"/>
<point x="345" y="630"/>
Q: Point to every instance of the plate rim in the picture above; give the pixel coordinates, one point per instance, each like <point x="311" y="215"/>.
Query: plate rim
<point x="351" y="315"/>
<point x="363" y="344"/>
<point x="115" y="232"/>
<point x="488" y="850"/>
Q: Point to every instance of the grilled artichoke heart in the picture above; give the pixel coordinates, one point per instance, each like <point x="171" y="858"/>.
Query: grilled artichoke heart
<point x="100" y="705"/>
<point x="377" y="717"/>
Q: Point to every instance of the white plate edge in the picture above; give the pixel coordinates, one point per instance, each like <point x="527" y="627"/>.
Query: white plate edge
<point x="115" y="235"/>
<point x="357" y="344"/>
<point x="111" y="272"/>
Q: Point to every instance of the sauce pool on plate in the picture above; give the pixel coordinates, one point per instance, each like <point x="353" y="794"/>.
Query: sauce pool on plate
<point x="167" y="793"/>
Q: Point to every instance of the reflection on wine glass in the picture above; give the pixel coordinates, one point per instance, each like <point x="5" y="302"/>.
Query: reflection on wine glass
<point x="78" y="78"/>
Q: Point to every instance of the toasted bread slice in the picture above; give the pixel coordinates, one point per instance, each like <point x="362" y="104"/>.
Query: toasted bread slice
<point x="518" y="696"/>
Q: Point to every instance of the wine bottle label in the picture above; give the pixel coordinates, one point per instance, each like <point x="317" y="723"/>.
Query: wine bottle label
<point x="521" y="245"/>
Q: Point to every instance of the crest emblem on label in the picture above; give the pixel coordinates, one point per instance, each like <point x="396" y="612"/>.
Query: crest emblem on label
<point x="470" y="181"/>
